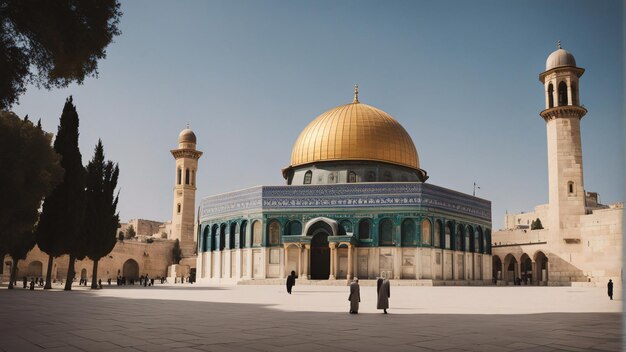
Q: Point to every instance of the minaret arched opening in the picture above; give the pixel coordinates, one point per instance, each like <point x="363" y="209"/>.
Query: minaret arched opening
<point x="574" y="94"/>
<point x="563" y="94"/>
<point x="550" y="96"/>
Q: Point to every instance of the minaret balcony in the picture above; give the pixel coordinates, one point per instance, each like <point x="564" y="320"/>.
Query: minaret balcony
<point x="563" y="111"/>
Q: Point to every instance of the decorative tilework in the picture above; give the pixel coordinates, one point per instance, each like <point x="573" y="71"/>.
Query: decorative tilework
<point x="413" y="195"/>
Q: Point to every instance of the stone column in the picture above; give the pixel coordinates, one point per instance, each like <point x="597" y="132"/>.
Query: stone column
<point x="307" y="261"/>
<point x="286" y="263"/>
<point x="534" y="271"/>
<point x="350" y="249"/>
<point x="300" y="263"/>
<point x="518" y="270"/>
<point x="333" y="260"/>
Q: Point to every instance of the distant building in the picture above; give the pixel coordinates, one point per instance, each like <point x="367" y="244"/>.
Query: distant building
<point x="151" y="250"/>
<point x="581" y="239"/>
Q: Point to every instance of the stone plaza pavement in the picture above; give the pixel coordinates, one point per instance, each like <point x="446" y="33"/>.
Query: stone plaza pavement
<point x="265" y="318"/>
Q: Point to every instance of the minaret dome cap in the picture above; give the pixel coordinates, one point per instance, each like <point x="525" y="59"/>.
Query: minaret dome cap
<point x="560" y="58"/>
<point x="187" y="136"/>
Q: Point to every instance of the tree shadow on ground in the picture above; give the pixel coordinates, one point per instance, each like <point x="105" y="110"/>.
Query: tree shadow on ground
<point x="87" y="321"/>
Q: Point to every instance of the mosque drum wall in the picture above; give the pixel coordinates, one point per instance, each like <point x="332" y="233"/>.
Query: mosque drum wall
<point x="267" y="232"/>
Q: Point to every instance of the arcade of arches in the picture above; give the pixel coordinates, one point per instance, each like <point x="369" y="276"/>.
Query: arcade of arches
<point x="522" y="268"/>
<point x="323" y="248"/>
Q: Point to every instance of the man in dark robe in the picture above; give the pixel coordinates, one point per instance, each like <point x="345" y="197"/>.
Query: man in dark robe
<point x="383" y="293"/>
<point x="609" y="287"/>
<point x="291" y="281"/>
<point x="355" y="296"/>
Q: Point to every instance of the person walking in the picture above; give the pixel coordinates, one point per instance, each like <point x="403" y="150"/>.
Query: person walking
<point x="25" y="281"/>
<point x="383" y="293"/>
<point x="609" y="287"/>
<point x="355" y="296"/>
<point x="291" y="281"/>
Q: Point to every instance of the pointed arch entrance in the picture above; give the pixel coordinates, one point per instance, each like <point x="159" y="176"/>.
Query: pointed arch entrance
<point x="541" y="264"/>
<point x="320" y="251"/>
<point x="130" y="270"/>
<point x="497" y="268"/>
<point x="526" y="267"/>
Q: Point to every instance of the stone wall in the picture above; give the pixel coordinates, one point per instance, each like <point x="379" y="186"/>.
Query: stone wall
<point x="151" y="258"/>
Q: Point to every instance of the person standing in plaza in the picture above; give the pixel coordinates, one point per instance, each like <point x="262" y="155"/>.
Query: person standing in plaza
<point x="383" y="293"/>
<point x="609" y="287"/>
<point x="355" y="296"/>
<point x="291" y="281"/>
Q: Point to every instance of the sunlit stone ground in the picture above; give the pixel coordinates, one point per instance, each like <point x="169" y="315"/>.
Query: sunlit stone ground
<point x="265" y="318"/>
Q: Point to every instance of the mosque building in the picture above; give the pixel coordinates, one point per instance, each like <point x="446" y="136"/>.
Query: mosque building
<point x="355" y="204"/>
<point x="573" y="238"/>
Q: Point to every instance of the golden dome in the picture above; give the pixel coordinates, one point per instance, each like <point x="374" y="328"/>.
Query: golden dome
<point x="355" y="132"/>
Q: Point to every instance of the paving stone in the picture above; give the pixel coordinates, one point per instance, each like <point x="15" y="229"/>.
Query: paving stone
<point x="264" y="318"/>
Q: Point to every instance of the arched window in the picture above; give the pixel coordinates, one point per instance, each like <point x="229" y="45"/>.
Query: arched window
<point x="222" y="237"/>
<point x="307" y="177"/>
<point x="426" y="232"/>
<point x="365" y="229"/>
<point x="346" y="227"/>
<point x="487" y="241"/>
<point x="458" y="238"/>
<point x="214" y="235"/>
<point x="407" y="232"/>
<point x="256" y="233"/>
<point x="234" y="233"/>
<point x="570" y="187"/>
<point x="476" y="247"/>
<point x="385" y="233"/>
<point x="351" y="177"/>
<point x="293" y="228"/>
<point x="574" y="94"/>
<point x="179" y="176"/>
<point x="448" y="235"/>
<point x="178" y="208"/>
<point x="371" y="176"/>
<point x="274" y="232"/>
<point x="437" y="234"/>
<point x="332" y="178"/>
<point x="242" y="235"/>
<point x="469" y="239"/>
<point x="205" y="239"/>
<point x="550" y="96"/>
<point x="562" y="94"/>
<point x="186" y="176"/>
<point x="481" y="240"/>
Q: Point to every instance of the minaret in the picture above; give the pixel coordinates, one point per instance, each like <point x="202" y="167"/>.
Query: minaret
<point x="185" y="191"/>
<point x="565" y="163"/>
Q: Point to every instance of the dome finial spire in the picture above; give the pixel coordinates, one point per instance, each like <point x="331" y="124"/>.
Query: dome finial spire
<point x="356" y="94"/>
<point x="558" y="44"/>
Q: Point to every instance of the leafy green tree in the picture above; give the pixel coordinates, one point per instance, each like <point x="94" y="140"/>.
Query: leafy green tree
<point x="52" y="43"/>
<point x="536" y="225"/>
<point x="61" y="223"/>
<point x="101" y="216"/>
<point x="29" y="171"/>
<point x="130" y="232"/>
<point x="177" y="254"/>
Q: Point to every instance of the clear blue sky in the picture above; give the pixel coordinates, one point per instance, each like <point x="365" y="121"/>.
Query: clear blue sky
<point x="460" y="76"/>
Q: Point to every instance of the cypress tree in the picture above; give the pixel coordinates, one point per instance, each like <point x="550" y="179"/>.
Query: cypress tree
<point x="60" y="228"/>
<point x="101" y="216"/>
